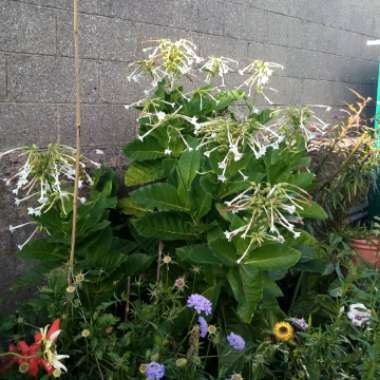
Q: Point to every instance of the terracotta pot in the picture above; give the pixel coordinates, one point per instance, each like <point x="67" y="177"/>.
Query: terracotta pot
<point x="367" y="249"/>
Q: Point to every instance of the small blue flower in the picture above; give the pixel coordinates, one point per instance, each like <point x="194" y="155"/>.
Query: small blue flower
<point x="203" y="327"/>
<point x="199" y="304"/>
<point x="155" y="371"/>
<point x="236" y="341"/>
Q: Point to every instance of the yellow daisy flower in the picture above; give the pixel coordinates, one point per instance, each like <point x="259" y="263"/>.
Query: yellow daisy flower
<point x="283" y="331"/>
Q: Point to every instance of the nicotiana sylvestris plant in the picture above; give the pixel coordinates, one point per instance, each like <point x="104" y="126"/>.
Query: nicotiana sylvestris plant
<point x="224" y="181"/>
<point x="45" y="179"/>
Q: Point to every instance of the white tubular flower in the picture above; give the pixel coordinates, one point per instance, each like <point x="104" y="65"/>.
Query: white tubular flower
<point x="265" y="210"/>
<point x="166" y="60"/>
<point x="359" y="314"/>
<point x="259" y="74"/>
<point x="218" y="66"/>
<point x="287" y="120"/>
<point x="45" y="179"/>
<point x="232" y="138"/>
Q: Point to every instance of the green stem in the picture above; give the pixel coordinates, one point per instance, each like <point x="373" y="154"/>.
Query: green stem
<point x="296" y="290"/>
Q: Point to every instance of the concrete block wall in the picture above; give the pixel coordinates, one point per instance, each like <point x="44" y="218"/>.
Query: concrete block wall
<point x="322" y="44"/>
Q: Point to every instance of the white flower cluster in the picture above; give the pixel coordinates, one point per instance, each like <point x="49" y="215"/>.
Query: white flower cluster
<point x="259" y="73"/>
<point x="168" y="59"/>
<point x="218" y="66"/>
<point x="45" y="178"/>
<point x="171" y="59"/>
<point x="266" y="209"/>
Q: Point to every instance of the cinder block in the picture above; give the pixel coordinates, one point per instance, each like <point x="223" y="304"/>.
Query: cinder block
<point x="220" y="46"/>
<point x="304" y="63"/>
<point x="66" y="124"/>
<point x="3" y="76"/>
<point x="319" y="37"/>
<point x="88" y="35"/>
<point x="200" y="16"/>
<point x="308" y="10"/>
<point x="158" y="12"/>
<point x="65" y="81"/>
<point x="88" y="6"/>
<point x="278" y="29"/>
<point x="331" y="67"/>
<point x="256" y="50"/>
<point x="296" y="32"/>
<point x="102" y="126"/>
<point x="288" y="91"/>
<point x="277" y="54"/>
<point x="49" y="79"/>
<point x="246" y="22"/>
<point x="27" y="28"/>
<point x="281" y="6"/>
<point x="100" y="37"/>
<point x="27" y="124"/>
<point x="318" y="92"/>
<point x="114" y="85"/>
<point x="351" y="44"/>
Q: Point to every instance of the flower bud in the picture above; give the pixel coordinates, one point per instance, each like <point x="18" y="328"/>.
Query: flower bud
<point x="142" y="368"/>
<point x="57" y="373"/>
<point x="70" y="289"/>
<point x="85" y="333"/>
<point x="23" y="367"/>
<point x="181" y="363"/>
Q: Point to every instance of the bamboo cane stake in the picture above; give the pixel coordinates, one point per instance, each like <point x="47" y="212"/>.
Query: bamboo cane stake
<point x="77" y="140"/>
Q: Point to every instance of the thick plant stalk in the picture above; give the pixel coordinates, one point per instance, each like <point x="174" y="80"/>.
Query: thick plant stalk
<point x="77" y="141"/>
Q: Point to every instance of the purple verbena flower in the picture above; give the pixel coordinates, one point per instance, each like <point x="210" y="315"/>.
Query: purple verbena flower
<point x="203" y="327"/>
<point x="236" y="341"/>
<point x="155" y="371"/>
<point x="199" y="304"/>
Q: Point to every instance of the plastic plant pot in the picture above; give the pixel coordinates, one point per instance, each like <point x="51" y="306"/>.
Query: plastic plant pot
<point x="367" y="249"/>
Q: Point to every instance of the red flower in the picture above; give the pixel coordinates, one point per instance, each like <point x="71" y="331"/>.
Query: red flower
<point x="30" y="354"/>
<point x="33" y="355"/>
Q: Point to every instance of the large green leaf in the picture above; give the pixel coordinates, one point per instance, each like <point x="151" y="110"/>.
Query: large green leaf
<point x="201" y="201"/>
<point x="140" y="173"/>
<point x="221" y="247"/>
<point x="252" y="283"/>
<point x="198" y="254"/>
<point x="160" y="196"/>
<point x="136" y="263"/>
<point x="272" y="257"/>
<point x="97" y="251"/>
<point x="43" y="250"/>
<point x="247" y="287"/>
<point x="130" y="207"/>
<point x="187" y="168"/>
<point x="149" y="149"/>
<point x="166" y="226"/>
<point x="313" y="210"/>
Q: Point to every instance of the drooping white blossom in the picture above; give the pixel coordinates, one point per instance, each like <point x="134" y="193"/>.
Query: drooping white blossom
<point x="218" y="66"/>
<point x="259" y="73"/>
<point x="266" y="211"/>
<point x="44" y="179"/>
